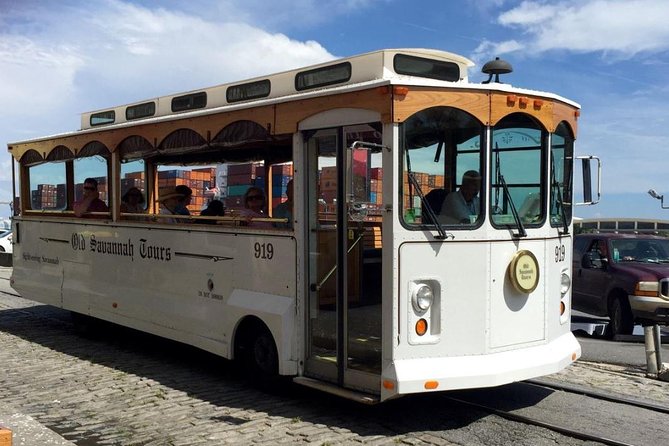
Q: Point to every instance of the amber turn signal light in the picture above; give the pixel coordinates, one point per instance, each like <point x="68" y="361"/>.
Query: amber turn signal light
<point x="401" y="91"/>
<point x="421" y="327"/>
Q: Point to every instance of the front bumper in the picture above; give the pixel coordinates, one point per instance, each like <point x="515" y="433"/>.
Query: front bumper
<point x="650" y="308"/>
<point x="494" y="369"/>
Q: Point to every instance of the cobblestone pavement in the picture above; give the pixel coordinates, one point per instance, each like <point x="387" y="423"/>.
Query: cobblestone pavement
<point x="129" y="388"/>
<point x="627" y="381"/>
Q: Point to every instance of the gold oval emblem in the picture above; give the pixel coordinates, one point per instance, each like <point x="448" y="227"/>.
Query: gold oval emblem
<point x="524" y="271"/>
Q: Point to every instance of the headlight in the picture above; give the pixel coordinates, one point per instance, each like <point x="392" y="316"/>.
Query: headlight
<point x="422" y="297"/>
<point x="650" y="289"/>
<point x="565" y="283"/>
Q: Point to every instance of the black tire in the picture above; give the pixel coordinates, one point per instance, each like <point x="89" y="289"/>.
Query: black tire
<point x="258" y="354"/>
<point x="621" y="321"/>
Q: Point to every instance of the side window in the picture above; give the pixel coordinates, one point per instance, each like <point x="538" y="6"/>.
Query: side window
<point x="579" y="245"/>
<point x="199" y="180"/>
<point x="91" y="167"/>
<point x="596" y="255"/>
<point x="48" y="187"/>
<point x="561" y="165"/>
<point x="442" y="166"/>
<point x="518" y="156"/>
<point x="133" y="187"/>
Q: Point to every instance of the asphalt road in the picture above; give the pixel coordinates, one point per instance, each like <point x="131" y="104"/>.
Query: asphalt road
<point x="628" y="350"/>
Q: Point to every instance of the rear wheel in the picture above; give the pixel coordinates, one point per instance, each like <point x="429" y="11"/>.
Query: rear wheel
<point x="620" y="315"/>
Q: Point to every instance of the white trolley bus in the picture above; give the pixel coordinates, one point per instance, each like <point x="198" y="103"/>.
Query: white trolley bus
<point x="375" y="285"/>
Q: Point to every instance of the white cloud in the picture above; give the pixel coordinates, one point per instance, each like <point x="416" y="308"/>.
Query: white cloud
<point x="486" y="49"/>
<point x="622" y="27"/>
<point x="59" y="60"/>
<point x="33" y="76"/>
<point x="629" y="134"/>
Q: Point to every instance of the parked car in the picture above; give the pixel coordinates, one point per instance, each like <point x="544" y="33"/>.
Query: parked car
<point x="6" y="241"/>
<point x="622" y="276"/>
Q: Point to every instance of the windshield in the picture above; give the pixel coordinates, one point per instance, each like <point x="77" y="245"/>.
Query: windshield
<point x="517" y="158"/>
<point x="640" y="250"/>
<point x="442" y="149"/>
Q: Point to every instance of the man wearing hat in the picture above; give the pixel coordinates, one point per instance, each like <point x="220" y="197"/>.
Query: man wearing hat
<point x="169" y="202"/>
<point x="460" y="206"/>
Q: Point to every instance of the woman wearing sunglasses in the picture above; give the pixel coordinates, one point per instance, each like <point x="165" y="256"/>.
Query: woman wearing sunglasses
<point x="254" y="208"/>
<point x="90" y="201"/>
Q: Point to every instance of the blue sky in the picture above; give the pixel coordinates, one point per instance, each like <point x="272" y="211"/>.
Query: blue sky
<point x="62" y="57"/>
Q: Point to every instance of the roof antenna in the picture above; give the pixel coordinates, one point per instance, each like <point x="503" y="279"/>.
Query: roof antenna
<point x="496" y="67"/>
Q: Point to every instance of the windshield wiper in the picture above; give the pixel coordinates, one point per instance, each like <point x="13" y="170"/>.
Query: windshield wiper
<point x="442" y="235"/>
<point x="521" y="229"/>
<point x="428" y="209"/>
<point x="507" y="194"/>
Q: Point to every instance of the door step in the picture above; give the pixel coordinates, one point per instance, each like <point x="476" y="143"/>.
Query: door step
<point x="354" y="395"/>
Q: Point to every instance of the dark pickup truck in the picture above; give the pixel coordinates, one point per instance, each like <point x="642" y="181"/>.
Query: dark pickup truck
<point x="622" y="276"/>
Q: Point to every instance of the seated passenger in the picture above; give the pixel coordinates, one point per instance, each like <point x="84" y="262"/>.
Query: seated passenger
<point x="90" y="202"/>
<point x="132" y="201"/>
<point x="254" y="207"/>
<point x="215" y="208"/>
<point x="285" y="209"/>
<point x="461" y="206"/>
<point x="169" y="202"/>
<point x="183" y="202"/>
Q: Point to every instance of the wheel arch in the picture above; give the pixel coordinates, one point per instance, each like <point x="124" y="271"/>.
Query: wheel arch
<point x="244" y="331"/>
<point x="253" y="311"/>
<point x="615" y="293"/>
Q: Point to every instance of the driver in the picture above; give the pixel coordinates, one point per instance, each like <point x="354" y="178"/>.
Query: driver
<point x="460" y="206"/>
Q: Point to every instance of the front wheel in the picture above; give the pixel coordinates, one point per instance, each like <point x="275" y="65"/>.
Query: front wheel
<point x="265" y="359"/>
<point x="621" y="319"/>
<point x="257" y="352"/>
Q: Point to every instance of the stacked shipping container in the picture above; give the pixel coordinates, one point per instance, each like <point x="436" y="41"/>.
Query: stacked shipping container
<point x="234" y="183"/>
<point x="199" y="180"/>
<point x="49" y="196"/>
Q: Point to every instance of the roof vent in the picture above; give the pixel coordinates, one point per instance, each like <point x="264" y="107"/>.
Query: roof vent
<point x="496" y="67"/>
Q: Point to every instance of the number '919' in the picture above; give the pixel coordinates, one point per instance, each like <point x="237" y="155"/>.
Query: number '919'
<point x="560" y="253"/>
<point x="263" y="250"/>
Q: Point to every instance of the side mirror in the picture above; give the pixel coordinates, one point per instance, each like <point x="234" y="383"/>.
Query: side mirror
<point x="586" y="260"/>
<point x="592" y="261"/>
<point x="586" y="164"/>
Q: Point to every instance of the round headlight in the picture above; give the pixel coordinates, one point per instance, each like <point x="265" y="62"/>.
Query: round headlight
<point x="422" y="297"/>
<point x="565" y="283"/>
